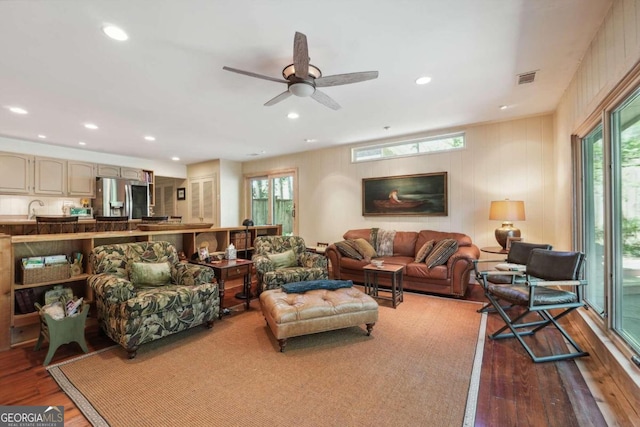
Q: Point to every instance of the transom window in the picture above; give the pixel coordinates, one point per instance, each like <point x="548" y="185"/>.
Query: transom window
<point x="414" y="147"/>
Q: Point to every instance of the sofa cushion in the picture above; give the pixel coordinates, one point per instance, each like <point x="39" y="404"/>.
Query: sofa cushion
<point x="422" y="253"/>
<point x="284" y="259"/>
<point x="404" y="243"/>
<point x="365" y="249"/>
<point x="310" y="285"/>
<point x="419" y="271"/>
<point x="150" y="274"/>
<point x="349" y="249"/>
<point x="441" y="252"/>
<point x="426" y="235"/>
<point x="360" y="233"/>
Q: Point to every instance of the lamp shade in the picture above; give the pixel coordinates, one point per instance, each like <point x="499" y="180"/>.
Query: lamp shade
<point x="247" y="223"/>
<point x="507" y="210"/>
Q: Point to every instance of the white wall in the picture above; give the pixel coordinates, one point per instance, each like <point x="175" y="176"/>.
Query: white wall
<point x="614" y="50"/>
<point x="230" y="192"/>
<point x="511" y="159"/>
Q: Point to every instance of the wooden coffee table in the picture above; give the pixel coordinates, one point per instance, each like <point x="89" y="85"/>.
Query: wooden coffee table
<point x="372" y="274"/>
<point x="231" y="269"/>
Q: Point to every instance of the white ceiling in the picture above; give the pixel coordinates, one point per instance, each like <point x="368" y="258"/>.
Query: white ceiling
<point x="167" y="79"/>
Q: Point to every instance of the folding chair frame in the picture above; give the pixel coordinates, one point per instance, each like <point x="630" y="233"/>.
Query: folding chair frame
<point x="520" y="328"/>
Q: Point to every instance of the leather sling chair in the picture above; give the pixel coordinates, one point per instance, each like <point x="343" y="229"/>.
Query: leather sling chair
<point x="516" y="260"/>
<point x="557" y="287"/>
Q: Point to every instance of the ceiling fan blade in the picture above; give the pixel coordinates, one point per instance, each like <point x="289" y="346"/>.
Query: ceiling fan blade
<point x="301" y="55"/>
<point x="324" y="99"/>
<point x="258" y="76"/>
<point x="345" y="79"/>
<point x="284" y="95"/>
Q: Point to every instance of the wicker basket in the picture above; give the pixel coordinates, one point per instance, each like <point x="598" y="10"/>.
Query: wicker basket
<point x="45" y="274"/>
<point x="241" y="240"/>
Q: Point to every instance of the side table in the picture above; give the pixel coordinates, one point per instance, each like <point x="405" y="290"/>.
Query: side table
<point x="231" y="269"/>
<point x="495" y="250"/>
<point x="371" y="276"/>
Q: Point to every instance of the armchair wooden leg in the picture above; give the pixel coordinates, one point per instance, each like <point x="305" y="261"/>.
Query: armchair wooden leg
<point x="209" y="324"/>
<point x="132" y="351"/>
<point x="283" y="344"/>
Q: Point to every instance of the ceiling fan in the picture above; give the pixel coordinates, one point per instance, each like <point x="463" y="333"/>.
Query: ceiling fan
<point x="303" y="79"/>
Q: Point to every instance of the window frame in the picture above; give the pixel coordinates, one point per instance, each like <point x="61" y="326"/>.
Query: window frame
<point x="408" y="142"/>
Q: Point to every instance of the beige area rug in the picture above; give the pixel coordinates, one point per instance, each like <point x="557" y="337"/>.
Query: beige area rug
<point x="420" y="367"/>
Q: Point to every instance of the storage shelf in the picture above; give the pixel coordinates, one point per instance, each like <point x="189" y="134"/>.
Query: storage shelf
<point x="77" y="278"/>
<point x="18" y="328"/>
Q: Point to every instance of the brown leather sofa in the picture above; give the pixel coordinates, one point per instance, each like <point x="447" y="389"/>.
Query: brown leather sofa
<point x="451" y="278"/>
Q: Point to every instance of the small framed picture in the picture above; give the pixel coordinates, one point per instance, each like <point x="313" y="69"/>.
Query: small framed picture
<point x="182" y="193"/>
<point x="511" y="240"/>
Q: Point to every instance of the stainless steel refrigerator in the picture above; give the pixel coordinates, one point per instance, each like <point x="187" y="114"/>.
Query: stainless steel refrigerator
<point x="121" y="197"/>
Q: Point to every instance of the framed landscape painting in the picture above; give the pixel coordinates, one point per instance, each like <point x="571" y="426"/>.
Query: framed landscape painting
<point x="420" y="195"/>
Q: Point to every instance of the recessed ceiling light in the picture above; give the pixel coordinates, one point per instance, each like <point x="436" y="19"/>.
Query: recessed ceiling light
<point x="114" y="32"/>
<point x="150" y="138"/>
<point x="310" y="140"/>
<point x="293" y="115"/>
<point x="18" y="110"/>
<point x="175" y="159"/>
<point x="82" y="143"/>
<point x="41" y="136"/>
<point x="90" y="126"/>
<point x="503" y="107"/>
<point x="423" y="80"/>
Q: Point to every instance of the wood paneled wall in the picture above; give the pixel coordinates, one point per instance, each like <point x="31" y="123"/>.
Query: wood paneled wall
<point x="511" y="159"/>
<point x="613" y="52"/>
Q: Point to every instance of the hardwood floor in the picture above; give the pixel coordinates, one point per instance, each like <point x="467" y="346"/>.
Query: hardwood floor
<point x="513" y="390"/>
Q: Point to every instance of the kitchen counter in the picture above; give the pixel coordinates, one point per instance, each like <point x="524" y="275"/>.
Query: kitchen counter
<point x="16" y="225"/>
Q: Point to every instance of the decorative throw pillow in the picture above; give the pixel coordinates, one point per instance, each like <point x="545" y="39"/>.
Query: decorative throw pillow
<point x="348" y="249"/>
<point x="150" y="273"/>
<point x="365" y="249"/>
<point x="441" y="252"/>
<point x="424" y="251"/>
<point x="284" y="259"/>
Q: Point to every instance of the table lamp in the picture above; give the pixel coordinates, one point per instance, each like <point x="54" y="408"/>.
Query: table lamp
<point x="506" y="211"/>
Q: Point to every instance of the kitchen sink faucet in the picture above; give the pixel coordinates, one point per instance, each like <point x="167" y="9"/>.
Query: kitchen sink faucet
<point x="32" y="211"/>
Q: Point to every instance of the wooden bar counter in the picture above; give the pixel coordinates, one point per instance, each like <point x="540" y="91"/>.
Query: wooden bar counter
<point x="19" y="225"/>
<point x="17" y="327"/>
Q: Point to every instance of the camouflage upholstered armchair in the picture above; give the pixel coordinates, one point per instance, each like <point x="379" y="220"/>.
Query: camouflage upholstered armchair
<point x="284" y="259"/>
<point x="144" y="293"/>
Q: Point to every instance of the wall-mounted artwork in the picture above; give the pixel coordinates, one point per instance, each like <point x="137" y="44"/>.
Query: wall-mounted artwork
<point x="422" y="194"/>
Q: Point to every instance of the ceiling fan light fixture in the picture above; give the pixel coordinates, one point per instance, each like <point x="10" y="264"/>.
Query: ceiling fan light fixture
<point x="290" y="70"/>
<point x="302" y="89"/>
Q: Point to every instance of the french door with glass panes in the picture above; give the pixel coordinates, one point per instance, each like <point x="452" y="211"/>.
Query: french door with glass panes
<point x="610" y="218"/>
<point x="272" y="199"/>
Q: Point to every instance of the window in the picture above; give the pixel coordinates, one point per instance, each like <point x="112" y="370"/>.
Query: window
<point x="593" y="218"/>
<point x="272" y="200"/>
<point x="408" y="148"/>
<point x="610" y="218"/>
<point x="625" y="139"/>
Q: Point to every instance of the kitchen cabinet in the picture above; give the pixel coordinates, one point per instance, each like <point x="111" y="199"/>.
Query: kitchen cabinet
<point x="109" y="171"/>
<point x="130" y="173"/>
<point x="50" y="176"/>
<point x="202" y="199"/>
<point x="148" y="176"/>
<point x="15" y="173"/>
<point x="82" y="178"/>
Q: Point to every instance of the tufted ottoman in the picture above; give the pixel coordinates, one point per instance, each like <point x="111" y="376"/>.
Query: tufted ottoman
<point x="294" y="314"/>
